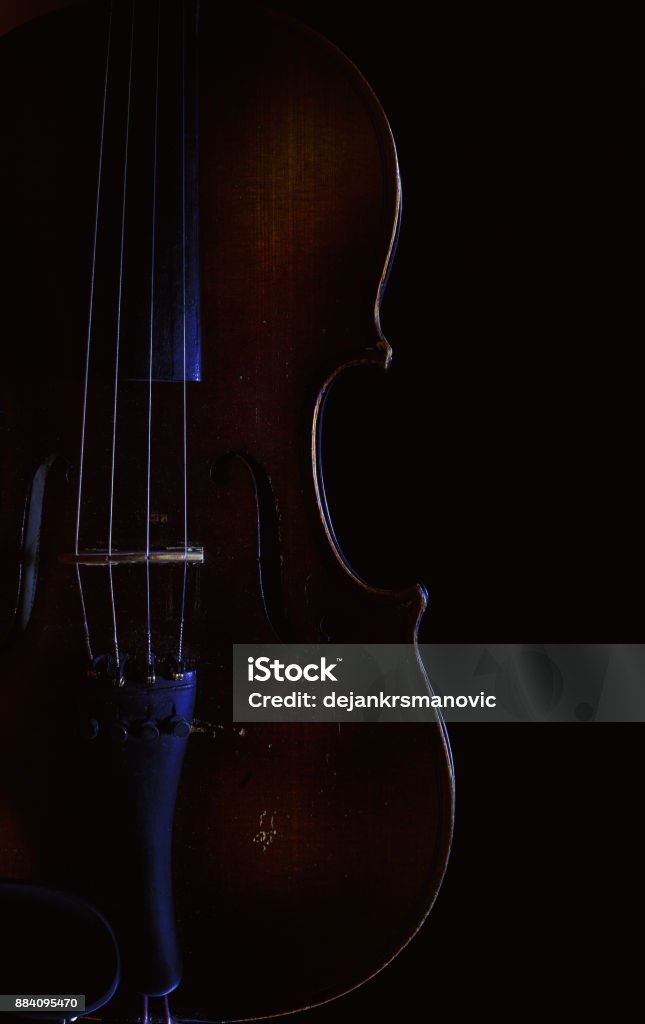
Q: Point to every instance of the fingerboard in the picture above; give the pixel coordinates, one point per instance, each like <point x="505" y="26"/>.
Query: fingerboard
<point x="146" y="278"/>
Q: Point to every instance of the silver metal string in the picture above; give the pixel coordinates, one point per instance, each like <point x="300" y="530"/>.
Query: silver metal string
<point x="86" y="628"/>
<point x="151" y="346"/>
<point x="118" y="335"/>
<point x="88" y="346"/>
<point x="183" y="235"/>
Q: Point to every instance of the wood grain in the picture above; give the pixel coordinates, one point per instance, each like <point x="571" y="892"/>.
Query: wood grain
<point x="305" y="856"/>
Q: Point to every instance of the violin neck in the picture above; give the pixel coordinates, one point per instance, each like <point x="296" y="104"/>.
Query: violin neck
<point x="146" y="281"/>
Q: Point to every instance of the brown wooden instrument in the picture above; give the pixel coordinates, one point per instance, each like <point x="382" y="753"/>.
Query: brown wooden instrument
<point x="198" y="220"/>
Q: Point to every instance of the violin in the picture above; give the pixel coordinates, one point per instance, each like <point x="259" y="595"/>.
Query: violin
<point x="200" y="209"/>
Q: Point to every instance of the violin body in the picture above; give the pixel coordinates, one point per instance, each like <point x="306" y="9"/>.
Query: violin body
<point x="304" y="856"/>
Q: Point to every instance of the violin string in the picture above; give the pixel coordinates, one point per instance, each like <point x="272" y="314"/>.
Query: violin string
<point x="151" y="346"/>
<point x="183" y="235"/>
<point x="118" y="335"/>
<point x="81" y="465"/>
<point x="86" y="628"/>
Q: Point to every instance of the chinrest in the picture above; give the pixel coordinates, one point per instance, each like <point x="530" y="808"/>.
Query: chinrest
<point x="55" y="944"/>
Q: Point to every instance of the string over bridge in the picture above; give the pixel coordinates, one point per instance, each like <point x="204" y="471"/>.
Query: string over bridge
<point x="103" y="556"/>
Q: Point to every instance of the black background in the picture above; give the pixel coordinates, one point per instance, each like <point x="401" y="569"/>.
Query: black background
<point x="499" y="462"/>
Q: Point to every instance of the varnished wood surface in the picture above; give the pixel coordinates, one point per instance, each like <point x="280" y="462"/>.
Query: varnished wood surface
<point x="305" y="856"/>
